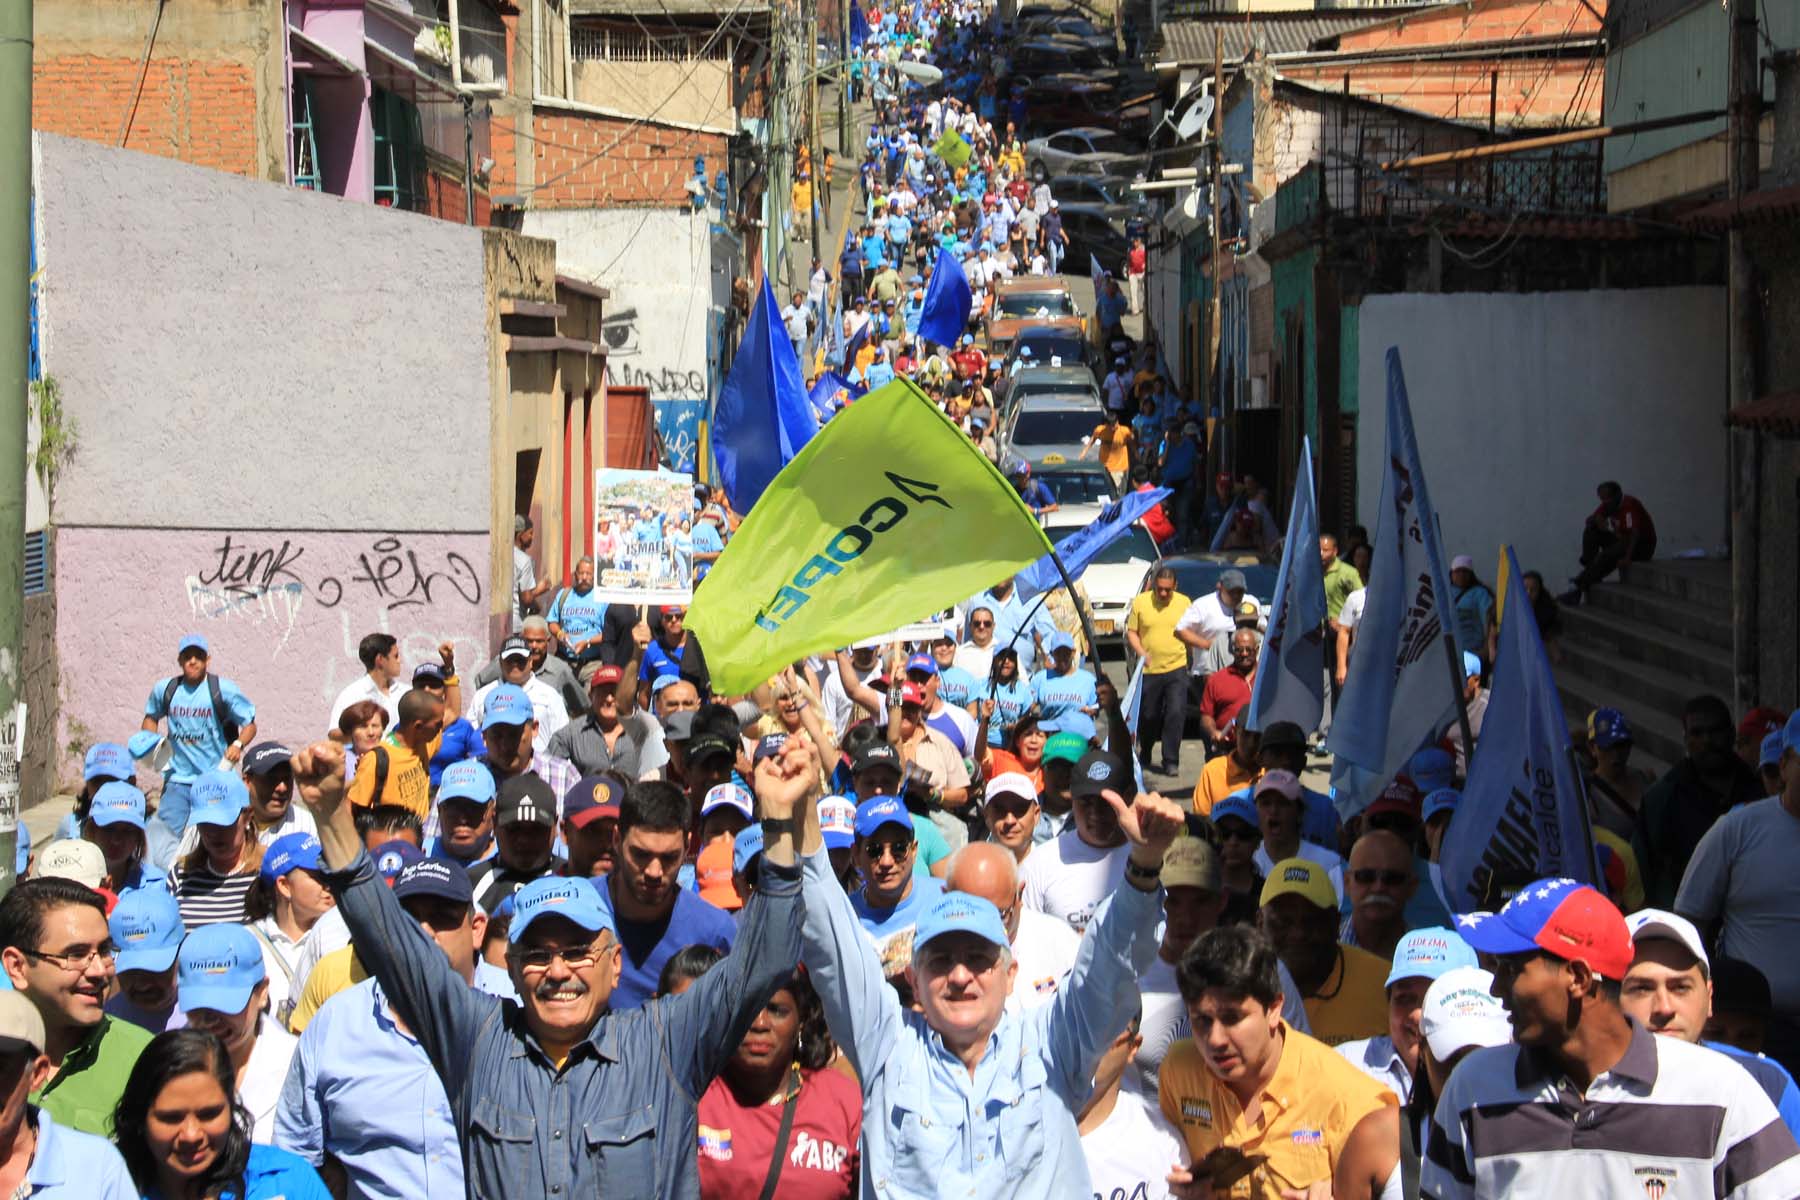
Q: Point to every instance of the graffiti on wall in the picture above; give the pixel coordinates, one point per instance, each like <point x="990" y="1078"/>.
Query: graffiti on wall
<point x="678" y="425"/>
<point x="628" y="365"/>
<point x="283" y="610"/>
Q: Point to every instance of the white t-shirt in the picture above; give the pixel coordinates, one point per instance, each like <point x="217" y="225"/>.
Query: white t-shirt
<point x="1311" y="852"/>
<point x="976" y="660"/>
<point x="363" y="688"/>
<point x="1045" y="950"/>
<point x="524" y="579"/>
<point x="1066" y="878"/>
<point x="1208" y="615"/>
<point x="840" y="710"/>
<point x="546" y="706"/>
<point x="280" y="953"/>
<point x="328" y="933"/>
<point x="266" y="1071"/>
<point x="1350" y="616"/>
<point x="1129" y="1154"/>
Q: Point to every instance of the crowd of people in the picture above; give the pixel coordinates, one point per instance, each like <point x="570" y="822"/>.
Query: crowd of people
<point x="905" y="919"/>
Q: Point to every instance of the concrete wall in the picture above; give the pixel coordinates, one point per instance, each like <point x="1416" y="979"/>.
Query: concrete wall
<point x="248" y="340"/>
<point x="668" y="287"/>
<point x="697" y="91"/>
<point x="1523" y="403"/>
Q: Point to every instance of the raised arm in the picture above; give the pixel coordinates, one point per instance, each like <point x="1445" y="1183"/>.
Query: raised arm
<point x="444" y="1012"/>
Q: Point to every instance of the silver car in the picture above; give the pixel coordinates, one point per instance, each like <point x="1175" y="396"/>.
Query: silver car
<point x="1046" y="430"/>
<point x="1084" y="150"/>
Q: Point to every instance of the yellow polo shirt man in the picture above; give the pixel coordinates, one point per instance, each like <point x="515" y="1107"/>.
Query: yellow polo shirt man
<point x="1153" y="623"/>
<point x="1352" y="1002"/>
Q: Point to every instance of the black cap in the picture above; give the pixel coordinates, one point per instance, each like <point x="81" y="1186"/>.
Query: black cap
<point x="874" y="754"/>
<point x="1283" y="735"/>
<point x="264" y="757"/>
<point x="704" y="745"/>
<point x="430" y="671"/>
<point x="1099" y="772"/>
<point x="525" y="798"/>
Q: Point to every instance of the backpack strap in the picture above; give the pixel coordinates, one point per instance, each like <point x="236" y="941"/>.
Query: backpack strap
<point x="169" y="694"/>
<point x="227" y="726"/>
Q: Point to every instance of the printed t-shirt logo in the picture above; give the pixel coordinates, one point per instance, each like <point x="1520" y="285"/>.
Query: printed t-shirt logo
<point x="1197" y="1110"/>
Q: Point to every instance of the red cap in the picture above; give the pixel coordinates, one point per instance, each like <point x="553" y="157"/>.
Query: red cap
<point x="912" y="693"/>
<point x="606" y="675"/>
<point x="1760" y="722"/>
<point x="1400" y="796"/>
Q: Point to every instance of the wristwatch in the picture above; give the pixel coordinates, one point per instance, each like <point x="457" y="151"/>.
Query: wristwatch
<point x="778" y="825"/>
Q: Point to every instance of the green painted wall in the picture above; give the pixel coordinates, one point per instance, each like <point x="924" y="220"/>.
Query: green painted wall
<point x="1293" y="280"/>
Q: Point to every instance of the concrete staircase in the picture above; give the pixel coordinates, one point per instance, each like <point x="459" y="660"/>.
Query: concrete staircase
<point x="1645" y="645"/>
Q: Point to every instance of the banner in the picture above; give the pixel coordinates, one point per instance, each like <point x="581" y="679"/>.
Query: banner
<point x="763" y="416"/>
<point x="641" y="551"/>
<point x="888" y="514"/>
<point x="1084" y="545"/>
<point x="1399" y="689"/>
<point x="1290" y="674"/>
<point x="952" y="149"/>
<point x="944" y="317"/>
<point x="826" y="392"/>
<point x="678" y="426"/>
<point x="1523" y="812"/>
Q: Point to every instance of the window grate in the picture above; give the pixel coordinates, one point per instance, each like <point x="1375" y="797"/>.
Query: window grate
<point x="37" y="563"/>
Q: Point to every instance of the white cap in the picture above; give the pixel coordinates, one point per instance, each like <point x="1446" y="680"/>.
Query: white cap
<point x="1461" y="1010"/>
<point x="1659" y="923"/>
<point x="728" y="795"/>
<point x="1462" y="562"/>
<point x="71" y="858"/>
<point x="1010" y="783"/>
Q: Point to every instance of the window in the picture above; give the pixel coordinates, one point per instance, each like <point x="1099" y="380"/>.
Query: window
<point x="399" y="152"/>
<point x="305" y="153"/>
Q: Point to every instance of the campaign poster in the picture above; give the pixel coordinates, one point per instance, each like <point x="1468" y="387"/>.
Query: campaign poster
<point x="643" y="536"/>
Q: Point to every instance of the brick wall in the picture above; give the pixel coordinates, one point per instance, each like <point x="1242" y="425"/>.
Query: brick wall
<point x="1531" y="92"/>
<point x="445" y="199"/>
<point x="588" y="161"/>
<point x="197" y="111"/>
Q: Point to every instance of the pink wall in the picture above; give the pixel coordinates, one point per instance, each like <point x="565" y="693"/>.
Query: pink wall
<point x="283" y="611"/>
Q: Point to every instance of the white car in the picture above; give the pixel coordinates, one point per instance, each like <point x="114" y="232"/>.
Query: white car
<point x="1112" y="579"/>
<point x="1085" y="150"/>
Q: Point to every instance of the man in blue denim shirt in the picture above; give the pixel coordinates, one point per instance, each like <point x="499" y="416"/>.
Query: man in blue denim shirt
<point x="964" y="1098"/>
<point x="557" y="1096"/>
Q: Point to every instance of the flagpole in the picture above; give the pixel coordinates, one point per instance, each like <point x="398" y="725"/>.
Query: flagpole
<point x="1587" y="820"/>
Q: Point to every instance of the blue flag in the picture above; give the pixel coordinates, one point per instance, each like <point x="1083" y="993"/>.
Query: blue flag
<point x="1523" y="812"/>
<point x="857" y="341"/>
<point x="945" y="315"/>
<point x="834" y="337"/>
<point x="1400" y="687"/>
<point x="825" y="390"/>
<point x="763" y="416"/>
<point x="859" y="24"/>
<point x="1084" y="545"/>
<point x="1290" y="675"/>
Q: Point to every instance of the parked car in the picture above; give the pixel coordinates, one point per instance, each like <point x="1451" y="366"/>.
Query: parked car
<point x="1110" y="581"/>
<point x="1046" y="430"/>
<point x="1066" y="25"/>
<point x="1092" y="233"/>
<point x="1066" y="380"/>
<point x="1027" y="298"/>
<point x="1086" y="150"/>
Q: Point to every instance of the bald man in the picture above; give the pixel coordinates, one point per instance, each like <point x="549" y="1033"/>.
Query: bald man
<point x="1043" y="946"/>
<point x="1380" y="880"/>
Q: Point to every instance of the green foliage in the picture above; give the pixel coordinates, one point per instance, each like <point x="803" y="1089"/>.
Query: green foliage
<point x="57" y="431"/>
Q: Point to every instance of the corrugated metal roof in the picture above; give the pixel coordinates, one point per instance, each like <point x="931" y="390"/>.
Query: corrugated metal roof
<point x="1273" y="33"/>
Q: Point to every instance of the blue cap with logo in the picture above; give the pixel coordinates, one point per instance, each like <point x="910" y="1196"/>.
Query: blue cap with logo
<point x="1238" y="804"/>
<point x="882" y="810"/>
<point x="577" y="900"/>
<point x="219" y="968"/>
<point x="193" y="641"/>
<point x="107" y="760"/>
<point x="769" y="745"/>
<point x="922" y="662"/>
<point x="468" y="779"/>
<point x="393" y="857"/>
<point x="1770" y="755"/>
<point x="506" y="705"/>
<point x="1429" y="952"/>
<point x="1607" y="727"/>
<point x="959" y="912"/>
<point x="117" y="803"/>
<point x="146" y="927"/>
<point x="747" y="845"/>
<point x="291" y="852"/>
<point x="437" y="878"/>
<point x="219" y="798"/>
<point x="1437" y="801"/>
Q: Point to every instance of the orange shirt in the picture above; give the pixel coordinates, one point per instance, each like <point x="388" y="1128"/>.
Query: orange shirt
<point x="1219" y="778"/>
<point x="1115" y="448"/>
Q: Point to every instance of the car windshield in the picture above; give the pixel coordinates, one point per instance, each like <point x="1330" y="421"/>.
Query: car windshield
<point x="1106" y="143"/>
<point x="1134" y="544"/>
<point x="1197" y="579"/>
<point x="1036" y="304"/>
<point x="1055" y="426"/>
<point x="1080" y="487"/>
<point x="1044" y="348"/>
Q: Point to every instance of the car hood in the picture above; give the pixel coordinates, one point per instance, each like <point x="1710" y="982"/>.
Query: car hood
<point x="1049" y="454"/>
<point x="1112" y="585"/>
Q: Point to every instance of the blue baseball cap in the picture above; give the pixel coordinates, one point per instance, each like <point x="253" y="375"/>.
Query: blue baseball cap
<point x="1608" y="727"/>
<point x="142" y="742"/>
<point x="922" y="662"/>
<point x="506" y="705"/>
<point x="1790" y="734"/>
<point x="747" y="845"/>
<point x="1771" y="750"/>
<point x="1561" y="917"/>
<point x="108" y="760"/>
<point x="22" y="855"/>
<point x="768" y="746"/>
<point x="393" y="857"/>
<point x="959" y="912"/>
<point x="218" y="797"/>
<point x="292" y="852"/>
<point x="218" y="968"/>
<point x="146" y="927"/>
<point x="1427" y="953"/>
<point x="193" y="641"/>
<point x="1440" y="800"/>
<point x="578" y="900"/>
<point x="882" y="810"/>
<point x="1061" y="641"/>
<point x="467" y="779"/>
<point x="438" y="878"/>
<point x="1471" y="665"/>
<point x="117" y="803"/>
<point x="1237" y="804"/>
<point x="1431" y="768"/>
<point x="837" y="822"/>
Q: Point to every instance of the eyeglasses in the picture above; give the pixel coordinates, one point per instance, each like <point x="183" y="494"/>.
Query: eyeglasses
<point x="980" y="959"/>
<point x="981" y="624"/>
<point x="1233" y="834"/>
<point x="79" y="958"/>
<point x="1369" y="875"/>
<point x="539" y="958"/>
<point x="880" y="850"/>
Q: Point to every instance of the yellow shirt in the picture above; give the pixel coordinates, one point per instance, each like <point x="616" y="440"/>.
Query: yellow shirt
<point x="1219" y="778"/>
<point x="1115" y="449"/>
<point x="1353" y="1002"/>
<point x="408" y="780"/>
<point x="332" y="974"/>
<point x="1308" y="1110"/>
<point x="1155" y="626"/>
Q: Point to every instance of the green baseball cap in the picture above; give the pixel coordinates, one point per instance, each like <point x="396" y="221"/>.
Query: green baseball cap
<point x="1065" y="747"/>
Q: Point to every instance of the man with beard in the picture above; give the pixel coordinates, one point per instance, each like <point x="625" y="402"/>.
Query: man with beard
<point x="1420" y="959"/>
<point x="654" y="915"/>
<point x="1681" y="806"/>
<point x="591" y="630"/>
<point x="1340" y="985"/>
<point x="1069" y="876"/>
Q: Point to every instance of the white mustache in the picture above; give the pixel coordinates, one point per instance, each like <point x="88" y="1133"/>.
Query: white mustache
<point x="549" y="987"/>
<point x="1382" y="899"/>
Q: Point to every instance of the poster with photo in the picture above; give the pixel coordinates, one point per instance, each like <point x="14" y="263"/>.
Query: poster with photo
<point x="643" y="536"/>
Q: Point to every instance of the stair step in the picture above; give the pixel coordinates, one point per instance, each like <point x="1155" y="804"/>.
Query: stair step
<point x="1651" y="643"/>
<point x="1654" y="687"/>
<point x="1657" y="742"/>
<point x="1661" y="610"/>
<point x="1701" y="580"/>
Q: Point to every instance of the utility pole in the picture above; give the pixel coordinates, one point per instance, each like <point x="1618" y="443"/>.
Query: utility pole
<point x="1744" y="114"/>
<point x="15" y="322"/>
<point x="468" y="107"/>
<point x="843" y="77"/>
<point x="815" y="148"/>
<point x="1214" y="360"/>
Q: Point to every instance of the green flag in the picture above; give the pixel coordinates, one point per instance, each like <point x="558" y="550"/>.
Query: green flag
<point x="887" y="514"/>
<point x="952" y="149"/>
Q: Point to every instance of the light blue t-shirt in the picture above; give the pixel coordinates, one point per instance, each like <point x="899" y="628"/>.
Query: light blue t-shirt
<point x="581" y="617"/>
<point x="194" y="732"/>
<point x="74" y="1165"/>
<point x="706" y="541"/>
<point x="883" y="922"/>
<point x="1062" y="697"/>
<point x="955" y="686"/>
<point x="1010" y="700"/>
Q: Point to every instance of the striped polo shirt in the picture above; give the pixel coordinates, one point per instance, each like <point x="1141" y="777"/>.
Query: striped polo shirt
<point x="1670" y="1121"/>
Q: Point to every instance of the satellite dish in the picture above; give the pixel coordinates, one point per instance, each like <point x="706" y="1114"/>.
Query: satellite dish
<point x="1197" y="118"/>
<point x="1190" y="204"/>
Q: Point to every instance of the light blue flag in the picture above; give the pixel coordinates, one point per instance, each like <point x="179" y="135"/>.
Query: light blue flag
<point x="1523" y="812"/>
<point x="1098" y="273"/>
<point x="834" y="337"/>
<point x="1290" y="674"/>
<point x="1084" y="545"/>
<point x="763" y="416"/>
<point x="945" y="315"/>
<point x="1400" y="687"/>
<point x="1132" y="702"/>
